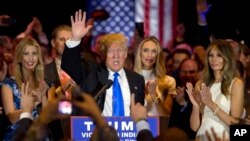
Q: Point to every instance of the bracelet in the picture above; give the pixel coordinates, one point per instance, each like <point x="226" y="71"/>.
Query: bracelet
<point x="216" y="110"/>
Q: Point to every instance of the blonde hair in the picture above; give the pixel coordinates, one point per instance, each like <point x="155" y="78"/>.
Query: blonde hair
<point x="159" y="68"/>
<point x="38" y="72"/>
<point x="111" y="38"/>
<point x="228" y="71"/>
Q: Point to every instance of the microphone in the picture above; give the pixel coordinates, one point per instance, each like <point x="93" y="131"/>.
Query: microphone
<point x="106" y="86"/>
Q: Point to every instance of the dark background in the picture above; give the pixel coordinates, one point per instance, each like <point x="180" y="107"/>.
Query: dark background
<point x="226" y="18"/>
<point x="51" y="13"/>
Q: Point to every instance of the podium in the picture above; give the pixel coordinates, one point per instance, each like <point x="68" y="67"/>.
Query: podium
<point x="82" y="127"/>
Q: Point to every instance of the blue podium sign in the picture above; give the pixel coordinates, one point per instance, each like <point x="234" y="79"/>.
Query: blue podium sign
<point x="83" y="127"/>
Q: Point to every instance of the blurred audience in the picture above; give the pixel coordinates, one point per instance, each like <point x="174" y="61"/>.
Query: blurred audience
<point x="182" y="106"/>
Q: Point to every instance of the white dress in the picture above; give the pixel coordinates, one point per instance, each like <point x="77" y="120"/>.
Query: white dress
<point x="210" y="120"/>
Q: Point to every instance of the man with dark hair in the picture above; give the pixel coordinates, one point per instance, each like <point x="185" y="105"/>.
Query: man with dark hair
<point x="182" y="107"/>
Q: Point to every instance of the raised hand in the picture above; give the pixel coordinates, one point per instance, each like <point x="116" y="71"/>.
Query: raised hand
<point x="67" y="84"/>
<point x="3" y="19"/>
<point x="212" y="136"/>
<point x="27" y="99"/>
<point x="37" y="26"/>
<point x="79" y="28"/>
<point x="202" y="6"/>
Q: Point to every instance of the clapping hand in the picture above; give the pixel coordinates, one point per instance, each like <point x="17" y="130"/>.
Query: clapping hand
<point x="206" y="95"/>
<point x="193" y="95"/>
<point x="151" y="89"/>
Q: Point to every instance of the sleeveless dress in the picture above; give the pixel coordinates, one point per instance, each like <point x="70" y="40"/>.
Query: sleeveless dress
<point x="210" y="120"/>
<point x="10" y="82"/>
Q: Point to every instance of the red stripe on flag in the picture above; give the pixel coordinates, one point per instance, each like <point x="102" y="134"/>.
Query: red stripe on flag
<point x="174" y="17"/>
<point x="161" y="20"/>
<point x="147" y="17"/>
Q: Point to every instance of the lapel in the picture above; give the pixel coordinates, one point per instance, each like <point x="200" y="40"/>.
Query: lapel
<point x="131" y="81"/>
<point x="102" y="75"/>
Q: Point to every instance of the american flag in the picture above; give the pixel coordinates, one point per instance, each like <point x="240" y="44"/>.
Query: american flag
<point x="156" y="15"/>
<point x="121" y="16"/>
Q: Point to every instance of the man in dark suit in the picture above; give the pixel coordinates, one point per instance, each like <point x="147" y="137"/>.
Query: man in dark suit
<point x="115" y="47"/>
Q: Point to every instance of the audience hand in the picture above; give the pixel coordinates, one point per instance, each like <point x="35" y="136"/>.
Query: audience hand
<point x="1" y="110"/>
<point x="37" y="26"/>
<point x="248" y="120"/>
<point x="27" y="99"/>
<point x="79" y="28"/>
<point x="68" y="84"/>
<point x="137" y="111"/>
<point x="214" y="136"/>
<point x="89" y="106"/>
<point x="51" y="108"/>
<point x="202" y="6"/>
<point x="3" y="19"/>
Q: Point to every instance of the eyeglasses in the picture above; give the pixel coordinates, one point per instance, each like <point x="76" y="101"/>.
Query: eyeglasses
<point x="112" y="52"/>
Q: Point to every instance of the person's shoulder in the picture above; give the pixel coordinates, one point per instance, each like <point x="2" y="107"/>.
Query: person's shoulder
<point x="237" y="82"/>
<point x="8" y="80"/>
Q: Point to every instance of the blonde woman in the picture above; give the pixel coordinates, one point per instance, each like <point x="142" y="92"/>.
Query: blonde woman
<point x="28" y="69"/>
<point x="160" y="88"/>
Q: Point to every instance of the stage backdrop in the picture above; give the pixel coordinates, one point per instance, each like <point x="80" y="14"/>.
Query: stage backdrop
<point x="157" y="16"/>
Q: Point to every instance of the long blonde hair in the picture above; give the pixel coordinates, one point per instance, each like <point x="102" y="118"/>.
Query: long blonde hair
<point x="229" y="68"/>
<point x="38" y="72"/>
<point x="159" y="68"/>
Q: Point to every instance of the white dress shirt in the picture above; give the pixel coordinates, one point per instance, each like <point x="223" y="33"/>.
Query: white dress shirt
<point x="107" y="111"/>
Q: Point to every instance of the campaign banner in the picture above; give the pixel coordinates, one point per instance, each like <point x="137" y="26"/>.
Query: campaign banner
<point x="82" y="127"/>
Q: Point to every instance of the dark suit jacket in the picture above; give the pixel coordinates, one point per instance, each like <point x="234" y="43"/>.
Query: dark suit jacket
<point x="92" y="82"/>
